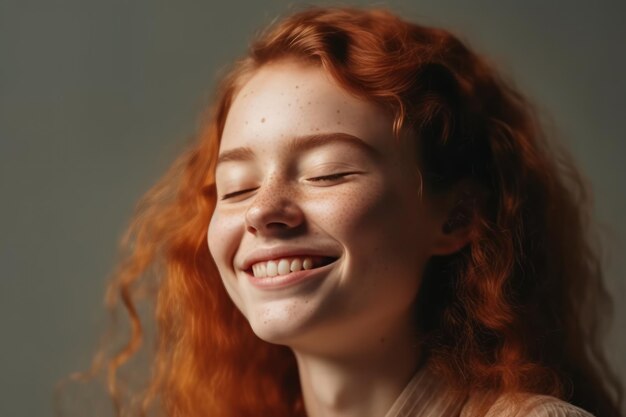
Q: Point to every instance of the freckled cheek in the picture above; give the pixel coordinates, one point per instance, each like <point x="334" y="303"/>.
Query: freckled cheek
<point x="351" y="210"/>
<point x="374" y="224"/>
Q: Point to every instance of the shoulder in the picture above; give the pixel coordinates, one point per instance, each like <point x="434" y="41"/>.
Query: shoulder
<point x="546" y="406"/>
<point x="520" y="405"/>
<point x="532" y="405"/>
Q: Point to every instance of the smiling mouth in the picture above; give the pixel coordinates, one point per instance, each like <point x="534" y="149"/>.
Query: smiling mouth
<point x="285" y="266"/>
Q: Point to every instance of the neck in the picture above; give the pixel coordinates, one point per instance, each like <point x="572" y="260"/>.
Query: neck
<point x="364" y="379"/>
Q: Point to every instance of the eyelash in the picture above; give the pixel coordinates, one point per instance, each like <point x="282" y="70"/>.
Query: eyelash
<point x="331" y="177"/>
<point x="236" y="193"/>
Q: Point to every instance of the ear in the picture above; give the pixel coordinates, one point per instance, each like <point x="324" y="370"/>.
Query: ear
<point x="460" y="211"/>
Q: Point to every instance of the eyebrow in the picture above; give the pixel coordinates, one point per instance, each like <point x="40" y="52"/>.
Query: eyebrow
<point x="301" y="144"/>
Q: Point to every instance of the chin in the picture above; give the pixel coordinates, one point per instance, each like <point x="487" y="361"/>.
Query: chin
<point x="282" y="324"/>
<point x="276" y="332"/>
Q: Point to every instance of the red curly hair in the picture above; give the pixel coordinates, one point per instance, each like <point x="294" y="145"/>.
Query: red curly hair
<point x="517" y="310"/>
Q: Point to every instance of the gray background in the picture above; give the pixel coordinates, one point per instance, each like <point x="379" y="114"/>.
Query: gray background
<point x="97" y="97"/>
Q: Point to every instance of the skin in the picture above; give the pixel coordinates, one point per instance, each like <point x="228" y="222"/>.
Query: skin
<point x="351" y="328"/>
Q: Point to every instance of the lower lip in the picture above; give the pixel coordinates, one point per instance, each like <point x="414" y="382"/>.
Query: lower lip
<point x="293" y="278"/>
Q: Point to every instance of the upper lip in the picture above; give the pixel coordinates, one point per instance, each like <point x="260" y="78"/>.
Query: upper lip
<point x="267" y="254"/>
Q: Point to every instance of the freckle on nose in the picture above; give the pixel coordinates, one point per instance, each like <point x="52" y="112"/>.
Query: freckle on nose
<point x="263" y="120"/>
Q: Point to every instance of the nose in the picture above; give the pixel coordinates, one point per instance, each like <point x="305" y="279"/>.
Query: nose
<point x="274" y="211"/>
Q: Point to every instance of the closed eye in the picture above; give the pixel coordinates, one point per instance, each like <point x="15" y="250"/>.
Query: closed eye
<point x="324" y="178"/>
<point x="331" y="177"/>
<point x="236" y="193"/>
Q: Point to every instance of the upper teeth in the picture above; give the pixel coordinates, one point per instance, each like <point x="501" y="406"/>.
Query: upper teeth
<point x="281" y="266"/>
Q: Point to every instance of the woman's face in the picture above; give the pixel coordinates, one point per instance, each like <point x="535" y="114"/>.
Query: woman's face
<point x="319" y="229"/>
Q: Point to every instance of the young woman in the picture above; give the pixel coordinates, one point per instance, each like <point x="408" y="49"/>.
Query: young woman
<point x="371" y="223"/>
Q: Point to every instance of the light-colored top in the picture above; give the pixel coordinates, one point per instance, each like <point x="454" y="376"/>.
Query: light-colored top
<point x="427" y="396"/>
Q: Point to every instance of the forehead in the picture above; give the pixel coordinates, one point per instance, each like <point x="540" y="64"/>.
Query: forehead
<point x="289" y="99"/>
